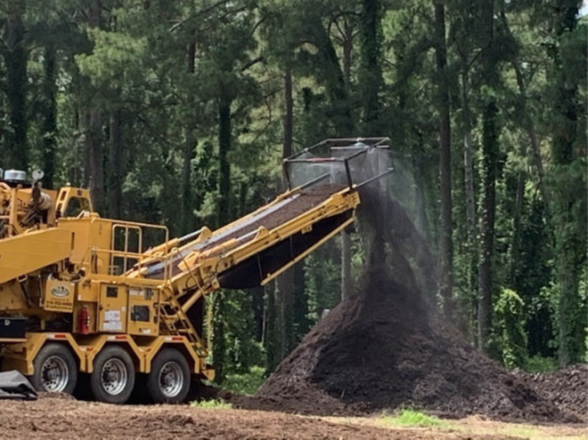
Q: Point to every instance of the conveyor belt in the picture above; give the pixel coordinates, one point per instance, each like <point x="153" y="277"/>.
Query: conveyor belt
<point x="244" y="230"/>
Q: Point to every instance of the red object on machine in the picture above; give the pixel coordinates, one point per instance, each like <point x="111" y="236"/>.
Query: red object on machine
<point x="84" y="321"/>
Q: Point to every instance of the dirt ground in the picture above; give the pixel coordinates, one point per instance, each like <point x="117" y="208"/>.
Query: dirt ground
<point x="64" y="418"/>
<point x="57" y="417"/>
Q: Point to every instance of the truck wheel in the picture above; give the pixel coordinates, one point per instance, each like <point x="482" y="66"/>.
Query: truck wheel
<point x="113" y="378"/>
<point x="55" y="370"/>
<point x="169" y="380"/>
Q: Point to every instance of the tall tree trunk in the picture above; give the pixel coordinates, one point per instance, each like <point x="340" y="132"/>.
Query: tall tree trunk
<point x="94" y="143"/>
<point x="347" y="51"/>
<point x="284" y="283"/>
<point x="49" y="125"/>
<point x="224" y="216"/>
<point x="87" y="151"/>
<point x="346" y="279"/>
<point x="224" y="146"/>
<point x="468" y="159"/>
<point x="15" y="59"/>
<point x="370" y="80"/>
<point x="489" y="172"/>
<point x="568" y="191"/>
<point x="188" y="152"/>
<point x="116" y="164"/>
<point x="95" y="148"/>
<point x="331" y="74"/>
<point x="527" y="120"/>
<point x="516" y="236"/>
<point x="446" y="244"/>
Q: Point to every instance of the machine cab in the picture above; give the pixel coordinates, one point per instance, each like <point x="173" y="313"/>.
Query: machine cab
<point x="73" y="202"/>
<point x="25" y="205"/>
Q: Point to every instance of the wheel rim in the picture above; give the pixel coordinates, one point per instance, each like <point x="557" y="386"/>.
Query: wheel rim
<point x="114" y="376"/>
<point x="54" y="374"/>
<point x="171" y="379"/>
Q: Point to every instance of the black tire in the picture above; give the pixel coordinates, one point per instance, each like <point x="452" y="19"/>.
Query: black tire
<point x="113" y="378"/>
<point x="169" y="380"/>
<point x="56" y="370"/>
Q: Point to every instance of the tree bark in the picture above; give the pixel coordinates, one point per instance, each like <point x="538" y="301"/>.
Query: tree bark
<point x="468" y="161"/>
<point x="94" y="129"/>
<point x="331" y="75"/>
<point x="87" y="176"/>
<point x="224" y="205"/>
<point x="516" y="236"/>
<point x="490" y="151"/>
<point x="95" y="148"/>
<point x="116" y="164"/>
<point x="346" y="279"/>
<point x="284" y="283"/>
<point x="49" y="125"/>
<point x="224" y="145"/>
<point x="15" y="59"/>
<point x="527" y="120"/>
<point x="188" y="152"/>
<point x="370" y="80"/>
<point x="347" y="52"/>
<point x="568" y="200"/>
<point x="446" y="243"/>
<point x="346" y="254"/>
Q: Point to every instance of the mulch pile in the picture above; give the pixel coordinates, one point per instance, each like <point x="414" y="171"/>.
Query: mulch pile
<point x="385" y="348"/>
<point x="567" y="388"/>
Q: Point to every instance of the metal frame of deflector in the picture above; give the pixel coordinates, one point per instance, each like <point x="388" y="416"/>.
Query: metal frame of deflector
<point x="338" y="144"/>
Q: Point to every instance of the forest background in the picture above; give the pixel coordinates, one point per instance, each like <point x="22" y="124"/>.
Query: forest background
<point x="179" y="113"/>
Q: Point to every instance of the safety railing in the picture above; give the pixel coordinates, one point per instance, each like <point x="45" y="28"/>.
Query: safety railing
<point x="127" y="254"/>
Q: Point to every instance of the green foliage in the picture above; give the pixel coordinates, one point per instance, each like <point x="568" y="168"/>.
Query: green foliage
<point x="414" y="418"/>
<point x="538" y="364"/>
<point x="233" y="346"/>
<point x="247" y="383"/>
<point x="510" y="330"/>
<point x="322" y="272"/>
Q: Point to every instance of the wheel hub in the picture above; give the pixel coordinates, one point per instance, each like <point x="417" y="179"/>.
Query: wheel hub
<point x="54" y="374"/>
<point x="114" y="376"/>
<point x="171" y="379"/>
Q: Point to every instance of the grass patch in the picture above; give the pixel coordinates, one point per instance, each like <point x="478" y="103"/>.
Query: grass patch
<point x="246" y="383"/>
<point x="211" y="404"/>
<point x="410" y="417"/>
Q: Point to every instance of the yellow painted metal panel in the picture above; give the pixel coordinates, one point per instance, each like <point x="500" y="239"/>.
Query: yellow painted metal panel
<point x="27" y="253"/>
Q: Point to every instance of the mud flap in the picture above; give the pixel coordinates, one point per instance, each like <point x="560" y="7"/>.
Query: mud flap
<point x="14" y="386"/>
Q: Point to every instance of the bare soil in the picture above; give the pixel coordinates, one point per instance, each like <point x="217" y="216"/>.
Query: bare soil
<point x="53" y="417"/>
